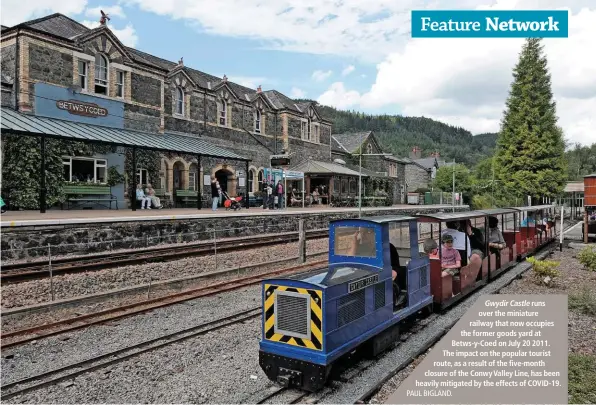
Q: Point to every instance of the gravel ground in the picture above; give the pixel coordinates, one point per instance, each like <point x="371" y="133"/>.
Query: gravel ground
<point x="235" y="350"/>
<point x="47" y="315"/>
<point x="72" y="285"/>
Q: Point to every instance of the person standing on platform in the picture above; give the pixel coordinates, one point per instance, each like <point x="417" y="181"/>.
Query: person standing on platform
<point x="280" y="194"/>
<point x="270" y="195"/>
<point x="214" y="193"/>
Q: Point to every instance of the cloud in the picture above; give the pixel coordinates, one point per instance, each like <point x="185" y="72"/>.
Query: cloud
<point x="126" y="35"/>
<point x="17" y="11"/>
<point x="247" y="81"/>
<point x="319" y="75"/>
<point x="297" y="93"/>
<point x="348" y="70"/>
<point x="348" y="27"/>
<point x="339" y="97"/>
<point x="111" y="11"/>
<point x="466" y="82"/>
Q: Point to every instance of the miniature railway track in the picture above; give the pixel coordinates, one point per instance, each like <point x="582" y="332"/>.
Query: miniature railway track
<point x="83" y="321"/>
<point x="38" y="270"/>
<point x="72" y="370"/>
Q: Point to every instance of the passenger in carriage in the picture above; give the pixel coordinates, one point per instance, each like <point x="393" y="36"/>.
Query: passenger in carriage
<point x="476" y="237"/>
<point x="496" y="242"/>
<point x="450" y="257"/>
<point x="430" y="248"/>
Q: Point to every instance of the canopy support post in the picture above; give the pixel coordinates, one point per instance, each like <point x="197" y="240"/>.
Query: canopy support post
<point x="199" y="188"/>
<point x="247" y="195"/>
<point x="42" y="189"/>
<point x="133" y="193"/>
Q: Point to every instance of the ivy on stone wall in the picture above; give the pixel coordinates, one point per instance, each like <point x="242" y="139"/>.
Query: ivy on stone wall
<point x="146" y="159"/>
<point x="21" y="181"/>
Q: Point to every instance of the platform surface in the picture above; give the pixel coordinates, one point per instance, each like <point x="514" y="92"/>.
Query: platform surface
<point x="59" y="217"/>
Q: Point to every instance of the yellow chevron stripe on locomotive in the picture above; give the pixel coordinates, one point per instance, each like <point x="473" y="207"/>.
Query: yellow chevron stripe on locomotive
<point x="293" y="316"/>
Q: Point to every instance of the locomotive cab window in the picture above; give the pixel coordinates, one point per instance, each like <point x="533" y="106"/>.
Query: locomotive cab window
<point x="355" y="241"/>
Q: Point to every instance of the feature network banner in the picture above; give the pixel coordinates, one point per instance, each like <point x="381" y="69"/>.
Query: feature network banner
<point x="490" y="24"/>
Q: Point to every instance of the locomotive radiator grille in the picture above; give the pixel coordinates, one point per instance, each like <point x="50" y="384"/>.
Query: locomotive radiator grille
<point x="350" y="307"/>
<point x="293" y="316"/>
<point x="379" y="295"/>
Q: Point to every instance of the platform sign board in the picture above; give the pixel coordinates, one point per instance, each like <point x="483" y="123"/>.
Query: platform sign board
<point x="289" y="174"/>
<point x="279" y="160"/>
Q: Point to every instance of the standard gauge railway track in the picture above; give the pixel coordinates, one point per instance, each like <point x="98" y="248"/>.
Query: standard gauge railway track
<point x="11" y="339"/>
<point x="18" y="272"/>
<point x="86" y="366"/>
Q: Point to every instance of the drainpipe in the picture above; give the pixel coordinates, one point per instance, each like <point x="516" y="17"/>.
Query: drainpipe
<point x="17" y="87"/>
<point x="204" y="110"/>
<point x="275" y="133"/>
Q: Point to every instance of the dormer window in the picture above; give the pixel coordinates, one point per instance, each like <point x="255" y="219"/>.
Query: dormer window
<point x="179" y="101"/>
<point x="258" y="122"/>
<point x="101" y="74"/>
<point x="223" y="114"/>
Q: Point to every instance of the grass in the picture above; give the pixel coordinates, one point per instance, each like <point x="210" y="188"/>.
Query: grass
<point x="583" y="302"/>
<point x="582" y="379"/>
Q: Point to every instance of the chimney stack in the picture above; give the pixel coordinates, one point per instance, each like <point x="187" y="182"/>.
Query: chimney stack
<point x="415" y="153"/>
<point x="259" y="89"/>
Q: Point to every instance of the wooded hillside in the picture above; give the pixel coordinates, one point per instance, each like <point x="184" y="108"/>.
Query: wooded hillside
<point x="399" y="134"/>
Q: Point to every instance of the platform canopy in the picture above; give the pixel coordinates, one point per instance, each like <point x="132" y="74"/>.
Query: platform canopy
<point x="318" y="167"/>
<point x="17" y="123"/>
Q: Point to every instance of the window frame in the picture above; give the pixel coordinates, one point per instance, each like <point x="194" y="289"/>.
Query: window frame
<point x="223" y="114"/>
<point x="97" y="163"/>
<point x="139" y="178"/>
<point x="120" y="74"/>
<point x="98" y="82"/>
<point x="85" y="84"/>
<point x="258" y="121"/>
<point x="179" y="102"/>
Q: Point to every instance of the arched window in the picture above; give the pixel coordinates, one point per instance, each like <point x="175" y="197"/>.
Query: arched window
<point x="179" y="101"/>
<point x="260" y="179"/>
<point x="369" y="148"/>
<point x="258" y="122"/>
<point x="251" y="181"/>
<point x="101" y="74"/>
<point x="223" y="112"/>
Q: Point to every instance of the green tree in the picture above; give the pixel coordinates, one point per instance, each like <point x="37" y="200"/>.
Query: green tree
<point x="530" y="148"/>
<point x="463" y="179"/>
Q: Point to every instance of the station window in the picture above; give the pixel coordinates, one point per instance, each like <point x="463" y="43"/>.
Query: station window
<point x="120" y="84"/>
<point x="142" y="176"/>
<point x="223" y="112"/>
<point x="101" y="74"/>
<point x="258" y="122"/>
<point x="83" y="69"/>
<point x="179" y="101"/>
<point x="79" y="169"/>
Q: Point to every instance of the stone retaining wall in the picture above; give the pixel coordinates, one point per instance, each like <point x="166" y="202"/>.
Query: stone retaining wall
<point x="23" y="242"/>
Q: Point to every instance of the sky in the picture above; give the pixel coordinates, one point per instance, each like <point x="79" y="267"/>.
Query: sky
<point x="352" y="54"/>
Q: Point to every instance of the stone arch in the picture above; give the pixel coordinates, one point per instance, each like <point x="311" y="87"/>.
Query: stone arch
<point x="254" y="186"/>
<point x="227" y="178"/>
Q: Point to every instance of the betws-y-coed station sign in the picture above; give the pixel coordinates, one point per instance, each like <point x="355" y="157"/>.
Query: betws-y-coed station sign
<point x="80" y="108"/>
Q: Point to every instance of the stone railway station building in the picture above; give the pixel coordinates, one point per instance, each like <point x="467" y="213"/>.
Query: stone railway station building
<point x="58" y="68"/>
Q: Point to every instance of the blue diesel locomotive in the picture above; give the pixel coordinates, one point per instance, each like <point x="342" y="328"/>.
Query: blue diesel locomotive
<point x="312" y="320"/>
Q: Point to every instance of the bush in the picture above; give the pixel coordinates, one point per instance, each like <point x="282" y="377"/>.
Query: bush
<point x="584" y="301"/>
<point x="587" y="257"/>
<point x="480" y="202"/>
<point x="582" y="378"/>
<point x="544" y="270"/>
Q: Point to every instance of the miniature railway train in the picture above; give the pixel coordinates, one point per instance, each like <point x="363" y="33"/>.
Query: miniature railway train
<point x="379" y="274"/>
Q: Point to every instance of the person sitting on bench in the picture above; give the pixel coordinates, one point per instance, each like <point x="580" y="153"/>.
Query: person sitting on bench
<point x="145" y="201"/>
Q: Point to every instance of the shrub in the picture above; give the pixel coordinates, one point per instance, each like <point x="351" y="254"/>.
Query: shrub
<point x="544" y="270"/>
<point x="584" y="301"/>
<point x="587" y="257"/>
<point x="582" y="378"/>
<point x="480" y="202"/>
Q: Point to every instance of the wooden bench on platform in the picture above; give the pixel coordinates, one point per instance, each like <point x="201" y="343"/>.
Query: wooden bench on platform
<point x="94" y="194"/>
<point x="189" y="196"/>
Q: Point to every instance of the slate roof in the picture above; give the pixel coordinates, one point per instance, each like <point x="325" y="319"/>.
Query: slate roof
<point x="351" y="142"/>
<point x="56" y="24"/>
<point x="427" y="163"/>
<point x="281" y="101"/>
<point x="62" y="26"/>
<point x="16" y="122"/>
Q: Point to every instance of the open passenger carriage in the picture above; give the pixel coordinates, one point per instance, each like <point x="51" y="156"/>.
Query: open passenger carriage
<point x="537" y="227"/>
<point x="505" y="222"/>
